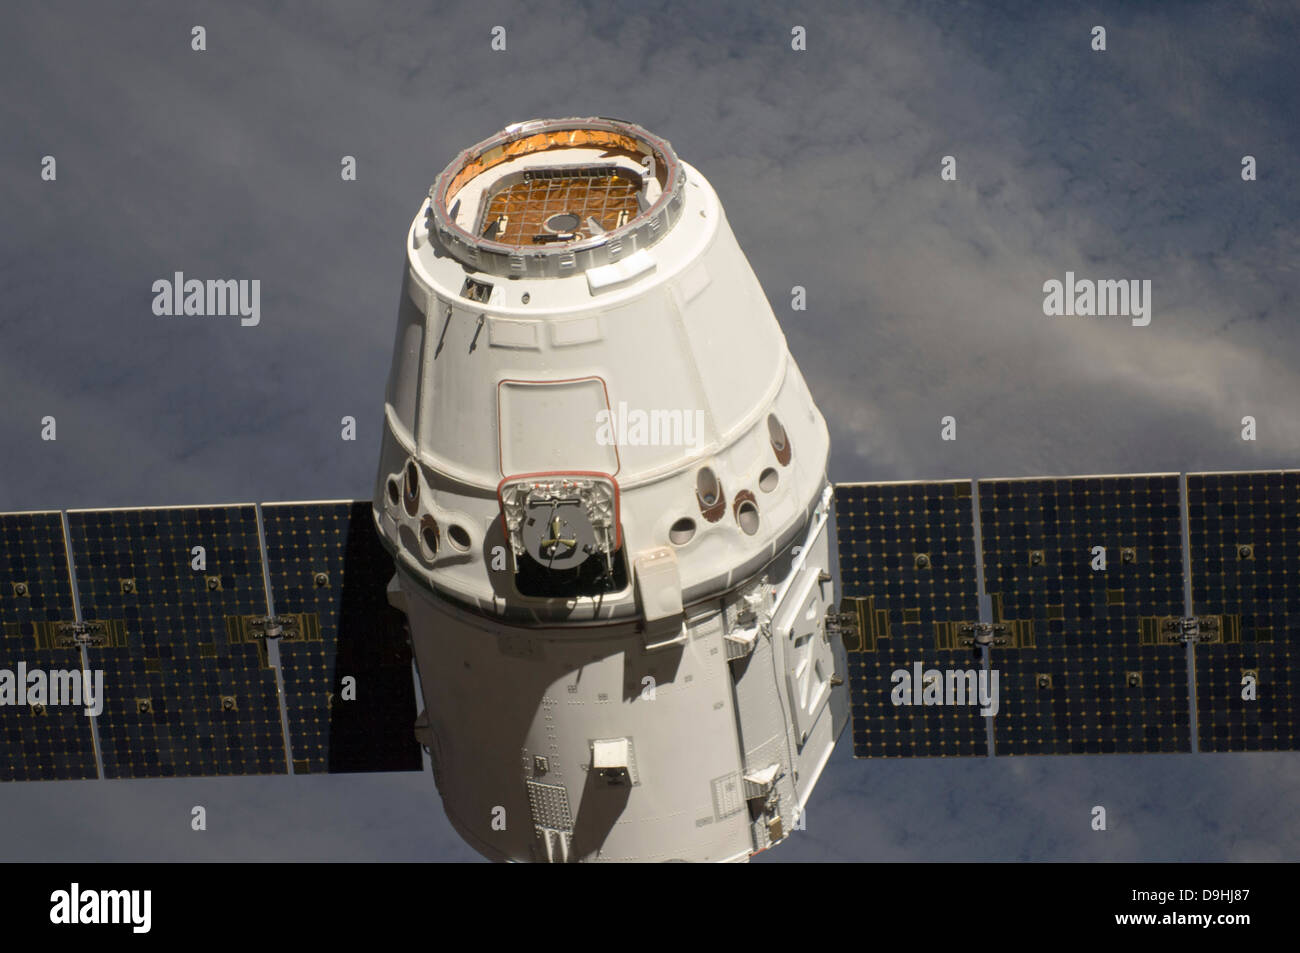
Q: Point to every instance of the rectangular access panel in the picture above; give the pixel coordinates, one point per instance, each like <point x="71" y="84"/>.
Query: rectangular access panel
<point x="346" y="658"/>
<point x="1081" y="572"/>
<point x="1245" y="557"/>
<point x="39" y="740"/>
<point x="907" y="564"/>
<point x="188" y="684"/>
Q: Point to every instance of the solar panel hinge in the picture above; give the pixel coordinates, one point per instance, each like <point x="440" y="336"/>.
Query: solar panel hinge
<point x="982" y="633"/>
<point x="81" y="633"/>
<point x="275" y="627"/>
<point x="843" y="625"/>
<point x="1204" y="628"/>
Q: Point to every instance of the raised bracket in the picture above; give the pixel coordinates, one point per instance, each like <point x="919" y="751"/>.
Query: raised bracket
<point x="1204" y="628"/>
<point x="275" y="627"/>
<point x="1190" y="630"/>
<point x="982" y="633"/>
<point x="80" y="633"/>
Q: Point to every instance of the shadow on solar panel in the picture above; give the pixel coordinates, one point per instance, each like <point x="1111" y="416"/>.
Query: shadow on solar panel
<point x="348" y="685"/>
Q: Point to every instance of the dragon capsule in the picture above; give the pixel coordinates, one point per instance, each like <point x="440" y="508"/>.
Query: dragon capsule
<point x="603" y="480"/>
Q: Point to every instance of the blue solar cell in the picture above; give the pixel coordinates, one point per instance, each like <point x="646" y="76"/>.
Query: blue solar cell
<point x="1245" y="557"/>
<point x="907" y="565"/>
<point x="188" y="691"/>
<point x="1086" y="676"/>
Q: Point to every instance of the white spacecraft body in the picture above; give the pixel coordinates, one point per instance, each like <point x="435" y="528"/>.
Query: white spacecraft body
<point x="603" y="479"/>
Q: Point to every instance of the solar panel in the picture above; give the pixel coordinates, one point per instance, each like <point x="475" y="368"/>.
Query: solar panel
<point x="189" y="692"/>
<point x="1245" y="556"/>
<point x="1083" y="668"/>
<point x="907" y="565"/>
<point x="328" y="567"/>
<point x="1084" y="578"/>
<point x="40" y="739"/>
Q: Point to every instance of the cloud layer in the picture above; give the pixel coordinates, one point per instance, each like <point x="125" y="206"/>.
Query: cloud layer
<point x="925" y="299"/>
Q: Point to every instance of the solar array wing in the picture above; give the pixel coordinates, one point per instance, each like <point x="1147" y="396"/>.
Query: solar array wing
<point x="186" y="611"/>
<point x="908" y="569"/>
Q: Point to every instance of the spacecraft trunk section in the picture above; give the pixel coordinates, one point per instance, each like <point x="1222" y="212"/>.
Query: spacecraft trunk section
<point x="603" y="481"/>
